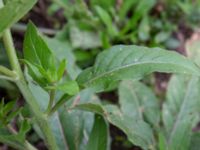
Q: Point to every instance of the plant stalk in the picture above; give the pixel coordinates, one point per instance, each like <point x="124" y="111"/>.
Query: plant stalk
<point x="8" y="72"/>
<point x="51" y="100"/>
<point x="23" y="87"/>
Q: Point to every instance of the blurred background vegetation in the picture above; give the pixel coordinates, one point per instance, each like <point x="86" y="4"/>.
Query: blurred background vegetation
<point x="86" y="27"/>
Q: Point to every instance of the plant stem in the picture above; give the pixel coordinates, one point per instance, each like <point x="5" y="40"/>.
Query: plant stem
<point x="22" y="85"/>
<point x="21" y="27"/>
<point x="51" y="100"/>
<point x="62" y="100"/>
<point x="8" y="72"/>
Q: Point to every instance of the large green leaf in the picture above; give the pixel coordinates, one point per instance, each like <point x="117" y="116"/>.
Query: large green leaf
<point x="137" y="131"/>
<point x="181" y="111"/>
<point x="139" y="102"/>
<point x="99" y="136"/>
<point x="132" y="62"/>
<point x="13" y="11"/>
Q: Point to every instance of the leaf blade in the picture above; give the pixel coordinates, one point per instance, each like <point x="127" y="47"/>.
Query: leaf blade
<point x="99" y="136"/>
<point x="132" y="62"/>
<point x="180" y="111"/>
<point x="13" y="11"/>
<point x="139" y="132"/>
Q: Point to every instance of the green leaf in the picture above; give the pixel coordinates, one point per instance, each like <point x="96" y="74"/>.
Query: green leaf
<point x="35" y="73"/>
<point x="12" y="140"/>
<point x="61" y="69"/>
<point x="98" y="139"/>
<point x="16" y="141"/>
<point x="79" y="123"/>
<point x="193" y="50"/>
<point x="62" y="50"/>
<point x="13" y="114"/>
<point x="84" y="39"/>
<point x="139" y="102"/>
<point x="132" y="62"/>
<point x="137" y="131"/>
<point x="8" y="107"/>
<point x="144" y="29"/>
<point x="13" y="11"/>
<point x="24" y="128"/>
<point x="125" y="8"/>
<point x="37" y="52"/>
<point x="162" y="36"/>
<point x="181" y="111"/>
<point x="70" y="87"/>
<point x="107" y="20"/>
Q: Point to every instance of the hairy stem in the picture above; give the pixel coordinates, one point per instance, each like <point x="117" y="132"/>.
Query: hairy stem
<point x="22" y="85"/>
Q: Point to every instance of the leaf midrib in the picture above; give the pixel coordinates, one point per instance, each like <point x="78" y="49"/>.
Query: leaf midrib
<point x="177" y="118"/>
<point x="129" y="66"/>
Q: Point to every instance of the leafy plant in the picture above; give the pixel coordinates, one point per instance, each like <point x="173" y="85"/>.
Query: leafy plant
<point x="61" y="98"/>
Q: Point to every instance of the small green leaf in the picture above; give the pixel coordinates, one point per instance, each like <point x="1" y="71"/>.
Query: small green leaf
<point x="98" y="139"/>
<point x="84" y="39"/>
<point x="70" y="87"/>
<point x="107" y="20"/>
<point x="13" y="11"/>
<point x="162" y="36"/>
<point x="144" y="29"/>
<point x="13" y="114"/>
<point x="125" y="8"/>
<point x="35" y="73"/>
<point x="24" y="128"/>
<point x="38" y="53"/>
<point x="62" y="50"/>
<point x="132" y="62"/>
<point x="8" y="107"/>
<point x="61" y="69"/>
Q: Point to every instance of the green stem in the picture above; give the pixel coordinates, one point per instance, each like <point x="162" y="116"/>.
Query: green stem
<point x="51" y="100"/>
<point x="22" y="85"/>
<point x="62" y="100"/>
<point x="8" y="72"/>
